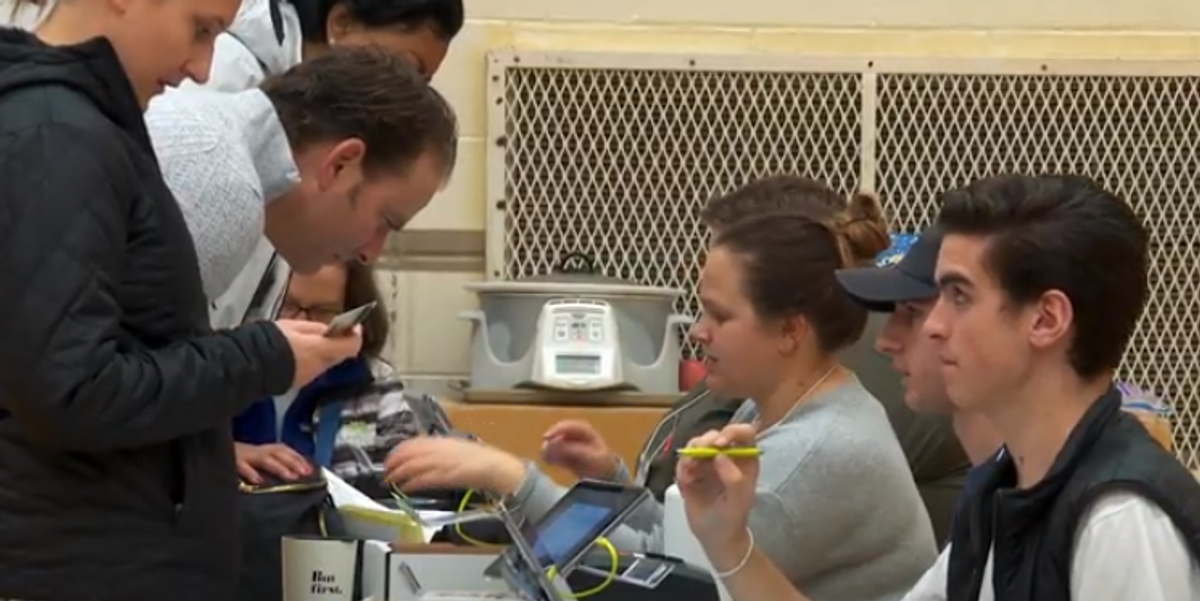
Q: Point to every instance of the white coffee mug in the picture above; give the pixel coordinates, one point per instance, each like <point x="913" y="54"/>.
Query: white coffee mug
<point x="320" y="569"/>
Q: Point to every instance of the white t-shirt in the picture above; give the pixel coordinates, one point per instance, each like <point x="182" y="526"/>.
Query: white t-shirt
<point x="24" y="15"/>
<point x="1126" y="550"/>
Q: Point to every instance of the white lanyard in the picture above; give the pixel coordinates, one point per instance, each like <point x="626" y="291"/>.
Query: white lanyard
<point x="758" y="420"/>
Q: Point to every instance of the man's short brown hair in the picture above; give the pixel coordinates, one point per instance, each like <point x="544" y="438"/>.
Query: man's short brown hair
<point x="370" y="94"/>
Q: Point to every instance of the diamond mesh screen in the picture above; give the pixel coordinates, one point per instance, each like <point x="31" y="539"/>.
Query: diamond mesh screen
<point x="1139" y="135"/>
<point x="616" y="163"/>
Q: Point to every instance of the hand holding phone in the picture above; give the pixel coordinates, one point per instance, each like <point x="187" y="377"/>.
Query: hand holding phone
<point x="313" y="350"/>
<point x="343" y="323"/>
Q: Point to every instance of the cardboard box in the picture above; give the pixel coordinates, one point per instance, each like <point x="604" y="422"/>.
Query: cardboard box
<point x="388" y="570"/>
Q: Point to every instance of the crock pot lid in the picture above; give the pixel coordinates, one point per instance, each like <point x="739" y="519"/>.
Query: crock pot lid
<point x="575" y="278"/>
<point x="574" y="273"/>
<point x="576" y="268"/>
<point x="578" y="288"/>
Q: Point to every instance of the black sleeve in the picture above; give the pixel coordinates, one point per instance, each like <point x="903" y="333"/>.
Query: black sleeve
<point x="66" y="196"/>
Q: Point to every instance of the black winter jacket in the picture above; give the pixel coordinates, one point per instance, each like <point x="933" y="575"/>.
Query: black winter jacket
<point x="117" y="478"/>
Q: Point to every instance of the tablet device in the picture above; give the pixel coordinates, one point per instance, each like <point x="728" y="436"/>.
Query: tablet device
<point x="589" y="510"/>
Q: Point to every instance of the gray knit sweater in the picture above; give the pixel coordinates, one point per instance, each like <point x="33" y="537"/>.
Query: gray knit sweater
<point x="837" y="509"/>
<point x="224" y="156"/>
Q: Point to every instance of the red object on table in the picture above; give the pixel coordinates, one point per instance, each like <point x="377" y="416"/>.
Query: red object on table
<point x="691" y="373"/>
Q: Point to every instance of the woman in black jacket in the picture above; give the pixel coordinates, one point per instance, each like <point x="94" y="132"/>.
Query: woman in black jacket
<point x="117" y="479"/>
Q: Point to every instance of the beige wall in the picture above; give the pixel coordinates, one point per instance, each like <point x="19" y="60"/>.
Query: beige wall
<point x="431" y="342"/>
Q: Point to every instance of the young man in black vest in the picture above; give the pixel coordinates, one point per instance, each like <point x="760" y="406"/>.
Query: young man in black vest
<point x="1041" y="283"/>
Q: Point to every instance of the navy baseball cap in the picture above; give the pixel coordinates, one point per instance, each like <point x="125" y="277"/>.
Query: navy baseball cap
<point x="911" y="278"/>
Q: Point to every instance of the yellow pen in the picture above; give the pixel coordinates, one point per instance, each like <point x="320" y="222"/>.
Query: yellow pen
<point x="712" y="452"/>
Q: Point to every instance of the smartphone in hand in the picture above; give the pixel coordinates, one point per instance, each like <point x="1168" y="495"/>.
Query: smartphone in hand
<point x="342" y="324"/>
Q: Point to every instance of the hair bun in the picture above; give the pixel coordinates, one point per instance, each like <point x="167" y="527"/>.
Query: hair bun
<point x="863" y="229"/>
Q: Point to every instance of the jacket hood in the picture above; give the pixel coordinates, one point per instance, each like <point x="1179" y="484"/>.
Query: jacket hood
<point x="90" y="68"/>
<point x="270" y="29"/>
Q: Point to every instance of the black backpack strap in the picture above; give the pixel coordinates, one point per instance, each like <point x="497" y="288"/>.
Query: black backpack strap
<point x="276" y="25"/>
<point x="276" y="19"/>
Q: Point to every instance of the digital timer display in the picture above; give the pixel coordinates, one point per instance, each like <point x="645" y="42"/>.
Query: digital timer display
<point x="577" y="364"/>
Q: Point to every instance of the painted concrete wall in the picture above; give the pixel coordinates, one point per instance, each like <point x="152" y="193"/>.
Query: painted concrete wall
<point x="431" y="342"/>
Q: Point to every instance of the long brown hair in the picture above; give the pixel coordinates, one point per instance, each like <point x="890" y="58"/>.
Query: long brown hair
<point x="361" y="288"/>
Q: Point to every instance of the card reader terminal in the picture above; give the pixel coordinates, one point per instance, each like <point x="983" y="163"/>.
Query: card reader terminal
<point x="643" y="577"/>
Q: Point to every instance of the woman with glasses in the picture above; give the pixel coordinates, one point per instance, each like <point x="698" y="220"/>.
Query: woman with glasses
<point x="277" y="437"/>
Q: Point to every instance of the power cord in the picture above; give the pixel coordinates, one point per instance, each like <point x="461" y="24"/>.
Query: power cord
<point x="615" y="561"/>
<point x="458" y="528"/>
<point x="604" y="543"/>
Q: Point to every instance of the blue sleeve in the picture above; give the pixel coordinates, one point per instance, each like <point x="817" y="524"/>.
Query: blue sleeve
<point x="256" y="425"/>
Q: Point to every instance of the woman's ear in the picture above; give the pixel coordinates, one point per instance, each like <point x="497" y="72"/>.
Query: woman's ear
<point x="792" y="331"/>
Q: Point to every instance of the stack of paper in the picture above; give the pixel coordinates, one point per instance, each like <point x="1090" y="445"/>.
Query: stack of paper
<point x="368" y="520"/>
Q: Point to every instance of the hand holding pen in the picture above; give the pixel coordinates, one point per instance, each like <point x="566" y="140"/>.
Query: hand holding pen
<point x="717" y="476"/>
<point x="736" y="452"/>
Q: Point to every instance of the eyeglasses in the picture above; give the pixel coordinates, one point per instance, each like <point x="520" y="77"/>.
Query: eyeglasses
<point x="321" y="313"/>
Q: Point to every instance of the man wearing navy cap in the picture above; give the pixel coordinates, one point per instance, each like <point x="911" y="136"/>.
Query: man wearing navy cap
<point x="905" y="291"/>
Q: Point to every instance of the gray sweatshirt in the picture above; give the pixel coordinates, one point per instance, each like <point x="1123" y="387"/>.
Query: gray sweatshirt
<point x="224" y="156"/>
<point x="837" y="510"/>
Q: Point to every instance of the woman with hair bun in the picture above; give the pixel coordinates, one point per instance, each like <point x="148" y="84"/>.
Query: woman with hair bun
<point x="836" y="508"/>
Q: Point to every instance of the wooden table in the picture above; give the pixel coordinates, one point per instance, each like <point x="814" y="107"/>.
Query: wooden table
<point x="518" y="428"/>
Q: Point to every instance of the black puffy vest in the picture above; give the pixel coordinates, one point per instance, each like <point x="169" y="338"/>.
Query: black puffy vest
<point x="1033" y="531"/>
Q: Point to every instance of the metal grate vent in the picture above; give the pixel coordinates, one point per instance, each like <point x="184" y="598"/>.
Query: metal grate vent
<point x="1139" y="135"/>
<point x="617" y="163"/>
<point x="614" y="155"/>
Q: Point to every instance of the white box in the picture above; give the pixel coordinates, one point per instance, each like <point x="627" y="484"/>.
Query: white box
<point x="435" y="567"/>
